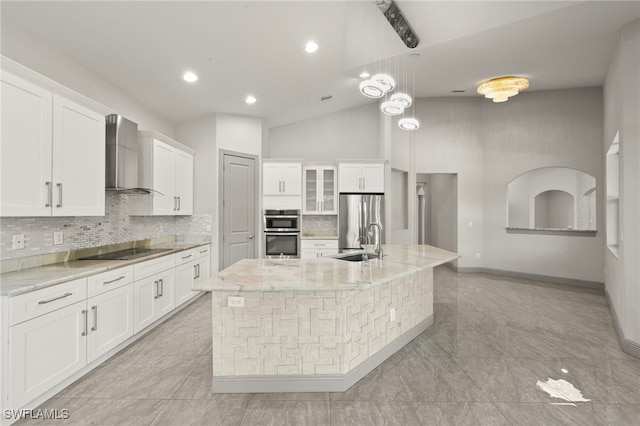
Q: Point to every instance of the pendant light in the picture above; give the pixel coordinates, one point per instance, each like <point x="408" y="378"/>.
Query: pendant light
<point x="411" y="123"/>
<point x="392" y="108"/>
<point x="372" y="89"/>
<point x="386" y="81"/>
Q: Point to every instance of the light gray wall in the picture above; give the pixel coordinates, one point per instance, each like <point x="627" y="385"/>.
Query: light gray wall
<point x="530" y="131"/>
<point x="621" y="114"/>
<point x="352" y="133"/>
<point x="449" y="141"/>
<point x="442" y="210"/>
<point x="31" y="53"/>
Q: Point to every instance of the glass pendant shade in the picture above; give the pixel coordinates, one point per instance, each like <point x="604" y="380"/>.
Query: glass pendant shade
<point x="392" y="108"/>
<point x="372" y="89"/>
<point x="386" y="81"/>
<point x="408" y="123"/>
<point x="401" y="98"/>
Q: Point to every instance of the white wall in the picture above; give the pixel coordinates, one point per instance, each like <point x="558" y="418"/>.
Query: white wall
<point x="621" y="114"/>
<point x="33" y="54"/>
<point x="208" y="135"/>
<point x="531" y="131"/>
<point x="352" y="133"/>
<point x="442" y="210"/>
<point x="449" y="141"/>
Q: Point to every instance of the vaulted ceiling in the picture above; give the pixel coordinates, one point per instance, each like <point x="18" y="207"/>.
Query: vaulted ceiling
<point x="257" y="47"/>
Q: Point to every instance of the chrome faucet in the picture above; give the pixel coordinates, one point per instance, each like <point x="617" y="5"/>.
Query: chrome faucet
<point x="365" y="239"/>
<point x="378" y="248"/>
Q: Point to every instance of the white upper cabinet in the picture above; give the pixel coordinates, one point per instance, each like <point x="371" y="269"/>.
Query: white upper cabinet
<point x="52" y="153"/>
<point x="282" y="179"/>
<point x="320" y="190"/>
<point x="366" y="178"/>
<point x="169" y="170"/>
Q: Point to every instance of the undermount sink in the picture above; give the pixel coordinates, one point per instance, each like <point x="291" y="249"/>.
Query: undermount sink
<point x="358" y="257"/>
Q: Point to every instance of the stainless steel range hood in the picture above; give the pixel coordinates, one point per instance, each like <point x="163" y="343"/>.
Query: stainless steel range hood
<point x="122" y="156"/>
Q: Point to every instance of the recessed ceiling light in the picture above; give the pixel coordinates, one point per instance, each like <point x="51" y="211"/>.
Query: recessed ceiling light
<point x="190" y="77"/>
<point x="250" y="100"/>
<point x="364" y="74"/>
<point x="311" y="47"/>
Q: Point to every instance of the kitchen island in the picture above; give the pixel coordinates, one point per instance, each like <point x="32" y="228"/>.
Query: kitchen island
<point x="314" y="325"/>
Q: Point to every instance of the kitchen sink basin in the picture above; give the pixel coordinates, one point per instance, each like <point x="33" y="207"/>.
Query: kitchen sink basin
<point x="358" y="257"/>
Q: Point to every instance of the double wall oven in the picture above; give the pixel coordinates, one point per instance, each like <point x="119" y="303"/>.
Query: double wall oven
<point x="281" y="233"/>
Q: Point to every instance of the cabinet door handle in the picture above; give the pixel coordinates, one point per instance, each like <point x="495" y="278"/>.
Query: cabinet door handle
<point x="186" y="257"/>
<point x="84" y="315"/>
<point x="364" y="183"/>
<point x="49" y="194"/>
<point x="161" y="282"/>
<point x="198" y="265"/>
<point x="203" y="251"/>
<point x="113" y="281"/>
<point x="279" y="186"/>
<point x="59" y="185"/>
<point x="179" y="204"/>
<point x="95" y="318"/>
<point x="155" y="289"/>
<point x="195" y="272"/>
<point x="284" y="186"/>
<point x="42" y="302"/>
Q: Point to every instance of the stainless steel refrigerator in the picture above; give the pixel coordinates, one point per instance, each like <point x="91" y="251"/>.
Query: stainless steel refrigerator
<point x="357" y="211"/>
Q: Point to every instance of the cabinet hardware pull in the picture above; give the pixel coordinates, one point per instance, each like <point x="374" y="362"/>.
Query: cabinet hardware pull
<point x="95" y="318"/>
<point x="203" y="251"/>
<point x="195" y="272"/>
<point x="42" y="302"/>
<point x="284" y="186"/>
<point x="155" y="289"/>
<point x="179" y="204"/>
<point x="364" y="183"/>
<point x="175" y="203"/>
<point x="113" y="281"/>
<point x="59" y="185"/>
<point x="49" y="194"/>
<point x="84" y="314"/>
<point x="161" y="282"/>
<point x="186" y="257"/>
<point x="198" y="265"/>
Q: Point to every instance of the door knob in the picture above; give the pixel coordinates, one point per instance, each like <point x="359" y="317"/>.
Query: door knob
<point x="250" y="237"/>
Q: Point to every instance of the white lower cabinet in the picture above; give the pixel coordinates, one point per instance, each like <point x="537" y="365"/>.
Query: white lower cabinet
<point x="110" y="320"/>
<point x="318" y="248"/>
<point x="153" y="296"/>
<point x="46" y="350"/>
<point x="192" y="266"/>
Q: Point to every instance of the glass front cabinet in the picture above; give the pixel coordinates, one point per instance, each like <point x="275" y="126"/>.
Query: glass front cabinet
<point x="320" y="190"/>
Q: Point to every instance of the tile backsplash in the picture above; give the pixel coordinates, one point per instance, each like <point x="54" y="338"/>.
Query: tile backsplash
<point x="82" y="232"/>
<point x="319" y="226"/>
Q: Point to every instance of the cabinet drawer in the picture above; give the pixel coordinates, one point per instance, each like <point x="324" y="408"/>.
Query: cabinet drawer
<point x="150" y="267"/>
<point x="39" y="302"/>
<point x="192" y="254"/>
<point x="97" y="284"/>
<point x="319" y="244"/>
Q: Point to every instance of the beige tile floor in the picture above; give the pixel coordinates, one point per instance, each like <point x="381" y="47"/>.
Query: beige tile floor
<point x="493" y="339"/>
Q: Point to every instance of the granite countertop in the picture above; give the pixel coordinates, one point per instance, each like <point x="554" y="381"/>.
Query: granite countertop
<point x="27" y="280"/>
<point x="325" y="273"/>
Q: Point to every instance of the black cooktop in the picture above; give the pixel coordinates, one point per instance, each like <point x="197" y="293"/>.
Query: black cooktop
<point x="128" y="254"/>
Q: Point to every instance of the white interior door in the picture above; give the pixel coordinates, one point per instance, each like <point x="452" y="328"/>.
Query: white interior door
<point x="239" y="209"/>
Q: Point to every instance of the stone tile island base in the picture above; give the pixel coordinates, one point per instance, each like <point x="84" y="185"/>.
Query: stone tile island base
<point x="315" y="341"/>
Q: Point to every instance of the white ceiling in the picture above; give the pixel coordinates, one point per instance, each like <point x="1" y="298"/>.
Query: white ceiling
<point x="240" y="47"/>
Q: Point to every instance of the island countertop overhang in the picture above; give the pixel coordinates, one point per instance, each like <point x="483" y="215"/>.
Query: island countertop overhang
<point x="324" y="273"/>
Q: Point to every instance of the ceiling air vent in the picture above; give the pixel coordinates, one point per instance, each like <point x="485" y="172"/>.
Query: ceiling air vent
<point x="326" y="97"/>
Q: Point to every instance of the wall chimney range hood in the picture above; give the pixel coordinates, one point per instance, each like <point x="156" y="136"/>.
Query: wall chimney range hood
<point x="122" y="157"/>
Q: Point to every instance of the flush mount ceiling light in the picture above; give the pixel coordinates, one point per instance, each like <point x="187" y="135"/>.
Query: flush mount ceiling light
<point x="501" y="89"/>
<point x="371" y="89"/>
<point x="392" y="108"/>
<point x="189" y="77"/>
<point x="311" y="47"/>
<point x="250" y="100"/>
<point x="401" y="98"/>
<point x="386" y="81"/>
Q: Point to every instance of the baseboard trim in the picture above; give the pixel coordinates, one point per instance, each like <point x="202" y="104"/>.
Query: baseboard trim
<point x="316" y="383"/>
<point x="545" y="278"/>
<point x="627" y="346"/>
